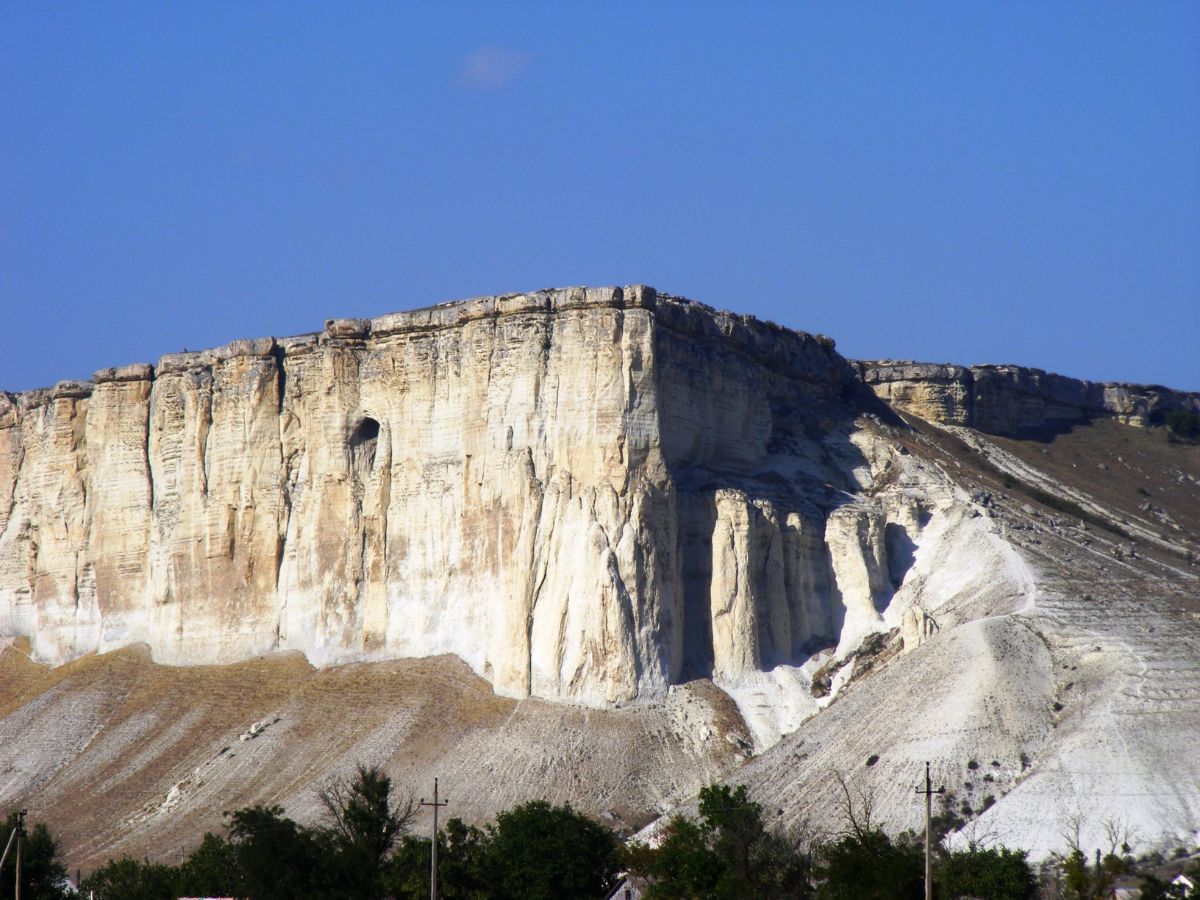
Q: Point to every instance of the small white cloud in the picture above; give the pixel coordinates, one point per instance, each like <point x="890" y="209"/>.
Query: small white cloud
<point x="491" y="67"/>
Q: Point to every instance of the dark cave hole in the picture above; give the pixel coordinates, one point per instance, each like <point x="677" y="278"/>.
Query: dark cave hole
<point x="363" y="441"/>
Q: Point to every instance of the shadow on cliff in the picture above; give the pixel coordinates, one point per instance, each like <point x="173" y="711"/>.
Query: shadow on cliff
<point x="807" y="470"/>
<point x="1047" y="432"/>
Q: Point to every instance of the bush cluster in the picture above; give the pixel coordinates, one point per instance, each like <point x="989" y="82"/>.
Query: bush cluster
<point x="1183" y="425"/>
<point x="539" y="851"/>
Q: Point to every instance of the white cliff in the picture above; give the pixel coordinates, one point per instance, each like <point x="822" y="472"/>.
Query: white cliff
<point x="602" y="496"/>
<point x="586" y="494"/>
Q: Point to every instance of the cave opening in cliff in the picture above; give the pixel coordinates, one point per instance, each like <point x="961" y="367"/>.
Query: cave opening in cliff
<point x="363" y="441"/>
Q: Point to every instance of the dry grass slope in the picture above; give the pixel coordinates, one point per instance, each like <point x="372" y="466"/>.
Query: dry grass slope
<point x="120" y="755"/>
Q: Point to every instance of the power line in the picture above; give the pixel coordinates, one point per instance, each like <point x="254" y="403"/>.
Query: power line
<point x="1076" y="793"/>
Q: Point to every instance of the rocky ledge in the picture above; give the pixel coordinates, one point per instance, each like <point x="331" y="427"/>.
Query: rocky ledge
<point x="1012" y="399"/>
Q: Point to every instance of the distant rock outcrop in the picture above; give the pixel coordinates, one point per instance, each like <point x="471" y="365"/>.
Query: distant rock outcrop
<point x="1013" y="399"/>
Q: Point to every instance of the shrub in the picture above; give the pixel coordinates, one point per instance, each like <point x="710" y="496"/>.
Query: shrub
<point x="1183" y="425"/>
<point x="541" y="852"/>
<point x="128" y="879"/>
<point x="869" y="865"/>
<point x="1001" y="874"/>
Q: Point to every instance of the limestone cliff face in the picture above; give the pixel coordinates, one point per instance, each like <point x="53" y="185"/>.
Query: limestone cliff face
<point x="1011" y="399"/>
<point x="587" y="494"/>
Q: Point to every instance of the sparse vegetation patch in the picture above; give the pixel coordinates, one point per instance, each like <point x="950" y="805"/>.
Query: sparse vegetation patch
<point x="1183" y="425"/>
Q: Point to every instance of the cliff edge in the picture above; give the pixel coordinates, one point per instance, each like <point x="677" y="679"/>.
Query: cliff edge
<point x="1012" y="400"/>
<point x="511" y="479"/>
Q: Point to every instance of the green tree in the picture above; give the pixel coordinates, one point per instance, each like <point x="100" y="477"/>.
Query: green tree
<point x="865" y="863"/>
<point x="543" y="852"/>
<point x="464" y="861"/>
<point x="1155" y="888"/>
<point x="42" y="874"/>
<point x="683" y="865"/>
<point x="1083" y="879"/>
<point x="129" y="879"/>
<point x="990" y="874"/>
<point x="364" y="824"/>
<point x="868" y="865"/>
<point x="211" y="869"/>
<point x="782" y="869"/>
<point x="406" y="875"/>
<point x="734" y="826"/>
<point x="463" y="865"/>
<point x="727" y="855"/>
<point x="277" y="859"/>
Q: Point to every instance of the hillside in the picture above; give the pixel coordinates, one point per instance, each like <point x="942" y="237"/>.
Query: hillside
<point x="603" y="545"/>
<point x="1083" y="702"/>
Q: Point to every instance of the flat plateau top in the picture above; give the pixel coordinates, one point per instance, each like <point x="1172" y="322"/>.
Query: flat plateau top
<point x="677" y="313"/>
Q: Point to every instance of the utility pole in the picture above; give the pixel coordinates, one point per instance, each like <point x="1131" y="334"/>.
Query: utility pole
<point x="433" y="849"/>
<point x="20" y="836"/>
<point x="929" y="792"/>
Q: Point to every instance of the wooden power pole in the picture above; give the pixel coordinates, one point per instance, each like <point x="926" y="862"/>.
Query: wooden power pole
<point x="20" y="837"/>
<point x="433" y="849"/>
<point x="929" y="792"/>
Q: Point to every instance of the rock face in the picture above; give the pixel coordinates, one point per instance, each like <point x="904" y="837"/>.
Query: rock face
<point x="586" y="494"/>
<point x="594" y="496"/>
<point x="1013" y="399"/>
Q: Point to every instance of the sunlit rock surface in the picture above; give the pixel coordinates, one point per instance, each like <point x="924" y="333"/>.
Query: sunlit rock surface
<point x="1015" y="399"/>
<point x="586" y="494"/>
<point x="704" y="524"/>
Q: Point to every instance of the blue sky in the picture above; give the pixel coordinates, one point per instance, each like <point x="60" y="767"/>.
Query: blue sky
<point x="967" y="182"/>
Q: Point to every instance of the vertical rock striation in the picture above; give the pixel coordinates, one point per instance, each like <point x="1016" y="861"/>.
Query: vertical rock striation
<point x="587" y="494"/>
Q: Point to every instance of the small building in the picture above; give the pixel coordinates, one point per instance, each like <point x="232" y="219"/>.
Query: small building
<point x="629" y="887"/>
